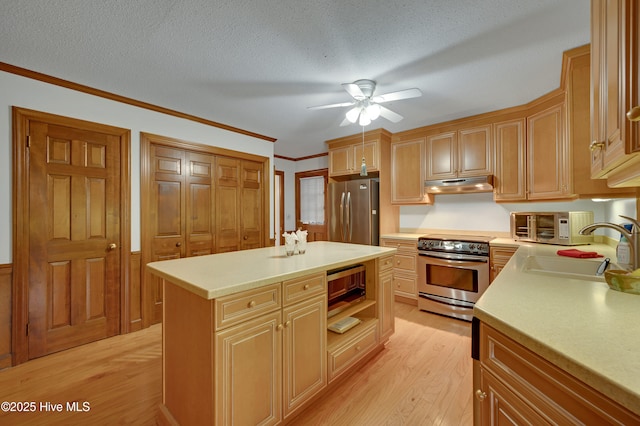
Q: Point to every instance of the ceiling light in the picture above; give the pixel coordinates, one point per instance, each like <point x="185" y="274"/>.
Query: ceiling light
<point x="364" y="118"/>
<point x="353" y="113"/>
<point x="373" y="111"/>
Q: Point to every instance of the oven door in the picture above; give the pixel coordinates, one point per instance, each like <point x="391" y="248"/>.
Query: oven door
<point x="460" y="277"/>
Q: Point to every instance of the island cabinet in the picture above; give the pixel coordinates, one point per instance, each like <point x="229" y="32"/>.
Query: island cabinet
<point x="513" y="385"/>
<point x="615" y="141"/>
<point x="263" y="352"/>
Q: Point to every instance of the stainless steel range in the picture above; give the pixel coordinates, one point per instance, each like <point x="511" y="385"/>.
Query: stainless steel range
<point x="453" y="272"/>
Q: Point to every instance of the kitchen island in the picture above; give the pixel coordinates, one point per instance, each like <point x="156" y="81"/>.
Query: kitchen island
<point x="552" y="347"/>
<point x="245" y="337"/>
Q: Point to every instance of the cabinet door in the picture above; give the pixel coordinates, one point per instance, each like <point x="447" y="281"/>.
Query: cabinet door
<point x="385" y="306"/>
<point x="475" y="152"/>
<point x="441" y="155"/>
<point x="227" y="214"/>
<point x="547" y="155"/>
<point x="251" y="218"/>
<point x="510" y="163"/>
<point x="407" y="171"/>
<point x="614" y="68"/>
<point x="371" y="156"/>
<point x="500" y="406"/>
<point x="305" y="351"/>
<point x="199" y="204"/>
<point x="341" y="161"/>
<point x="248" y="373"/>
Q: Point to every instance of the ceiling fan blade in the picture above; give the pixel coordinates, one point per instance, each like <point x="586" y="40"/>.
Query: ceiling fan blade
<point x="354" y="90"/>
<point x="389" y="115"/>
<point x="396" y="96"/>
<point x="340" y="105"/>
<point x="345" y="122"/>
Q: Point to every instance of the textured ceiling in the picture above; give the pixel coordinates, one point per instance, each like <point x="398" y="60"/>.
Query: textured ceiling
<point x="258" y="65"/>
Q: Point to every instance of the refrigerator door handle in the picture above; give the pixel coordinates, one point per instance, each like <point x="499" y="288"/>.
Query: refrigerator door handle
<point x="349" y="224"/>
<point x="342" y="216"/>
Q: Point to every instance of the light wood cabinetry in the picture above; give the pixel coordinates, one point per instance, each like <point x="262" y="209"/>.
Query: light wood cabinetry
<point x="614" y="89"/>
<point x="510" y="163"/>
<point x="407" y="172"/>
<point x="346" y="160"/>
<point x="517" y="386"/>
<point x="463" y="153"/>
<point x="548" y="155"/>
<point x="498" y="258"/>
<point x="261" y="355"/>
<point x="405" y="276"/>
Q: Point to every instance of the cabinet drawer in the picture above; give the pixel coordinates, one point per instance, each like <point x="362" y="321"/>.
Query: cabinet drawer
<point x="401" y="245"/>
<point x="405" y="285"/>
<point x="404" y="262"/>
<point x="386" y="263"/>
<point x="235" y="308"/>
<point x="344" y="356"/>
<point x="303" y="288"/>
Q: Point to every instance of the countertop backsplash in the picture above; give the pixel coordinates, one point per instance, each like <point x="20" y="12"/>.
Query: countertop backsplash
<point x="479" y="213"/>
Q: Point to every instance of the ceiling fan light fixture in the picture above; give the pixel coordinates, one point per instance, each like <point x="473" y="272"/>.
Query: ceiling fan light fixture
<point x="364" y="118"/>
<point x="353" y="113"/>
<point x="373" y="111"/>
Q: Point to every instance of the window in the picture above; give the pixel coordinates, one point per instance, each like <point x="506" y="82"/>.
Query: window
<point x="312" y="196"/>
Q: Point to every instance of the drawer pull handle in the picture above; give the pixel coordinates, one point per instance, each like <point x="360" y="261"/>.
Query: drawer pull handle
<point x="358" y="348"/>
<point x="306" y="287"/>
<point x="279" y="327"/>
<point x="480" y="395"/>
<point x="287" y="324"/>
<point x="398" y="262"/>
<point x="252" y="303"/>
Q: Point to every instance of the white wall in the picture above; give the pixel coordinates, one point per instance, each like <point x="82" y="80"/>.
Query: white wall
<point x="290" y="168"/>
<point x="27" y="93"/>
<point x="478" y="212"/>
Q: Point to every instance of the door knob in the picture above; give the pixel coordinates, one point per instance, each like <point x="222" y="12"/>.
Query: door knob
<point x="480" y="395"/>
<point x="596" y="145"/>
<point x="245" y="237"/>
<point x="634" y="114"/>
<point x="112" y="246"/>
<point x="178" y="244"/>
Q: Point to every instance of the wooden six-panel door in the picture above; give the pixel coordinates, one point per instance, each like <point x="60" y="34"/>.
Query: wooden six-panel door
<point x="74" y="237"/>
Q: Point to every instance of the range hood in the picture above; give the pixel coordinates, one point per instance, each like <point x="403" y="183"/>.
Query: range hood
<point x="460" y="185"/>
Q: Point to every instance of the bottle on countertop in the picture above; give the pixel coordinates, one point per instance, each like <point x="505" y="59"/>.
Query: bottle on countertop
<point x="623" y="250"/>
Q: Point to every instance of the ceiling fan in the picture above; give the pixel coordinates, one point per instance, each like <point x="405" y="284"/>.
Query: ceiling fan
<point x="366" y="107"/>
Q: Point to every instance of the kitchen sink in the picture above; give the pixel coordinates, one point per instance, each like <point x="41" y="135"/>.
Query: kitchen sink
<point x="582" y="269"/>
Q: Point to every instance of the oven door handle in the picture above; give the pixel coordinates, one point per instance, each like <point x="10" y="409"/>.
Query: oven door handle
<point x="452" y="258"/>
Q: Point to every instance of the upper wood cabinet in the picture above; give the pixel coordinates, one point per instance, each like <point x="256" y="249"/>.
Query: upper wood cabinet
<point x="548" y="155"/>
<point x="407" y="171"/>
<point x="346" y="160"/>
<point x="510" y="148"/>
<point x="614" y="89"/>
<point x="461" y="153"/>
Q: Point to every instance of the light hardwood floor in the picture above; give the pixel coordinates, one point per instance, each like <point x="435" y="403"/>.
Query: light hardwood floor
<point x="423" y="377"/>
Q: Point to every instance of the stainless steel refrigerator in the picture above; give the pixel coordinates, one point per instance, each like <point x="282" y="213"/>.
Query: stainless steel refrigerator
<point x="353" y="211"/>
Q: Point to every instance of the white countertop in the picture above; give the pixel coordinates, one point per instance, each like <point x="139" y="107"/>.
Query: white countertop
<point x="221" y="274"/>
<point x="583" y="327"/>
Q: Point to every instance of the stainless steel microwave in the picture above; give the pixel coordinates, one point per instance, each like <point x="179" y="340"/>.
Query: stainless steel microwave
<point x="551" y="227"/>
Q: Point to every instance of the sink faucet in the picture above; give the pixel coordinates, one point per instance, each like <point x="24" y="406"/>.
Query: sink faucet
<point x="633" y="237"/>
